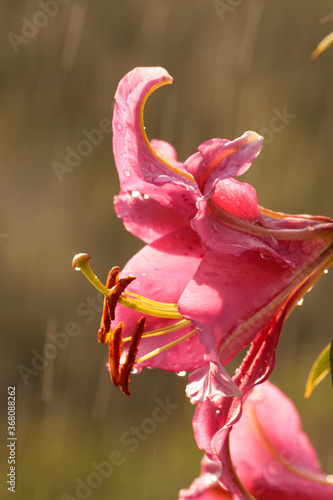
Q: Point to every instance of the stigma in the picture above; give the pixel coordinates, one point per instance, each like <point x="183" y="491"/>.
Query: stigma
<point x="115" y="292"/>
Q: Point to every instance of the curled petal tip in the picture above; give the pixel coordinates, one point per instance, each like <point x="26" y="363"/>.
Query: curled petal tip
<point x="79" y="259"/>
<point x="251" y="136"/>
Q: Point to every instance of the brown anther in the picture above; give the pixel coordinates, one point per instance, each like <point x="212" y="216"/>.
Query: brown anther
<point x="115" y="348"/>
<point x="113" y="277"/>
<point x="105" y="327"/>
<point x="126" y="368"/>
<point x="103" y="335"/>
<point x="119" y="375"/>
<point x="117" y="290"/>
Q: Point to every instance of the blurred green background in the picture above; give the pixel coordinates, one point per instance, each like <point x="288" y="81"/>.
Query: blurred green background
<point x="232" y="72"/>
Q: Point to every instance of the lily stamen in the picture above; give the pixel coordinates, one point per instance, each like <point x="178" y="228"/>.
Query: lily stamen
<point x="167" y="346"/>
<point x="161" y="331"/>
<point x="127" y="367"/>
<point x="148" y="301"/>
<point x="115" y="350"/>
<point x="115" y="292"/>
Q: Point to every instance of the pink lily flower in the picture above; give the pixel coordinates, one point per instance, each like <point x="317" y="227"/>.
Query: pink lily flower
<point x="218" y="272"/>
<point x="269" y="456"/>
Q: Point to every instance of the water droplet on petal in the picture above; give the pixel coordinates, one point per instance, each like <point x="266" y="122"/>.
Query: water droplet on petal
<point x="143" y="274"/>
<point x="127" y="173"/>
<point x="181" y="374"/>
<point x="264" y="256"/>
<point x="300" y="302"/>
<point x="152" y="168"/>
<point x="326" y="271"/>
<point x="118" y="126"/>
<point x="134" y="371"/>
<point x="162" y="179"/>
<point x="210" y="478"/>
<point x="330" y="478"/>
<point x="146" y="196"/>
<point x="135" y="194"/>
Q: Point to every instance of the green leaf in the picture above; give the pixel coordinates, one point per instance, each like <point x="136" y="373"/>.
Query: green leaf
<point x="320" y="369"/>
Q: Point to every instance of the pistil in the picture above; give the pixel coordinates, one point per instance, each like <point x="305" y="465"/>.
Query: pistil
<point x="128" y="299"/>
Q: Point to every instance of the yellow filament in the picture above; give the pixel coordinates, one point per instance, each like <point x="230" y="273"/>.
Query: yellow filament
<point x="148" y="302"/>
<point x="162" y="331"/>
<point x="167" y="346"/>
<point x="151" y="311"/>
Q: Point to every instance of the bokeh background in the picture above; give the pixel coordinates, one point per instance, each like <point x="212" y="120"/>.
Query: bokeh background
<point x="233" y="70"/>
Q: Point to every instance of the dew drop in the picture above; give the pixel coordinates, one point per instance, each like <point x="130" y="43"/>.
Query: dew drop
<point x="326" y="271"/>
<point x="134" y="371"/>
<point x="135" y="194"/>
<point x="143" y="274"/>
<point x="300" y="302"/>
<point x="127" y="173"/>
<point x="210" y="478"/>
<point x="264" y="256"/>
<point x="330" y="478"/>
<point x="162" y="179"/>
<point x="146" y="196"/>
<point x="181" y="374"/>
<point x="152" y="168"/>
<point x="118" y="126"/>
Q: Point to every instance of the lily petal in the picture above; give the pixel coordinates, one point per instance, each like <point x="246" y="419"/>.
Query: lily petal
<point x="162" y="270"/>
<point x="148" y="171"/>
<point x="277" y="459"/>
<point x="229" y="220"/>
<point x="221" y="159"/>
<point x="264" y="456"/>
